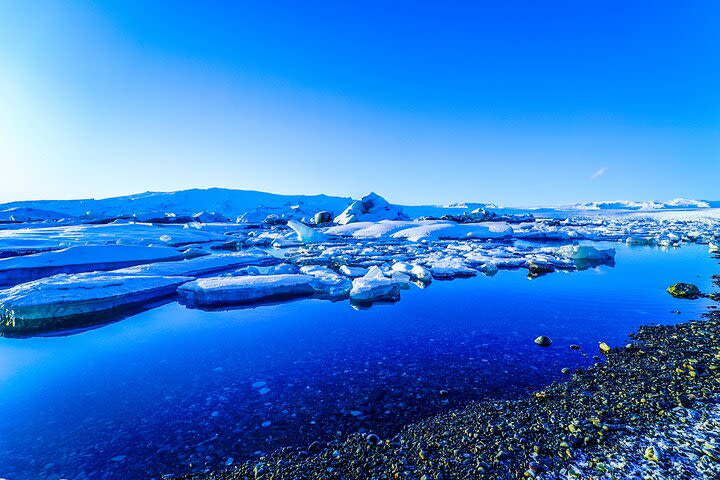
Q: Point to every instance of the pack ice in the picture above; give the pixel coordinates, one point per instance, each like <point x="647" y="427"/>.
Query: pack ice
<point x="367" y="253"/>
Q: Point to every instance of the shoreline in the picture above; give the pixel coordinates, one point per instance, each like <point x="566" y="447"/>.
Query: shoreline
<point x="651" y="409"/>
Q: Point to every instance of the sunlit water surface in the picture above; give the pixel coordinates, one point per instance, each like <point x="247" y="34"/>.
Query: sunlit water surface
<point x="174" y="390"/>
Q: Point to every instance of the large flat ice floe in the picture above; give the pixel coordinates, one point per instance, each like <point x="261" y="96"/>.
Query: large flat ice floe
<point x="80" y="259"/>
<point x="226" y="291"/>
<point x="59" y="301"/>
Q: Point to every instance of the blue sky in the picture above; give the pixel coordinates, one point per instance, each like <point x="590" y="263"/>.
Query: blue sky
<point x="520" y="103"/>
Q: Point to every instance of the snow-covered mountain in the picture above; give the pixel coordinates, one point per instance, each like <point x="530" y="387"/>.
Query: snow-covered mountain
<point x="683" y="203"/>
<point x="227" y="202"/>
<point x="253" y="206"/>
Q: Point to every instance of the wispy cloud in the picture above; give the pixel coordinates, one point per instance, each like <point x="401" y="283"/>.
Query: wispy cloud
<point x="599" y="173"/>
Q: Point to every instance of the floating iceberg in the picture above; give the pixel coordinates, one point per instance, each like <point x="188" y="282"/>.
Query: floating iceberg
<point x="80" y="259"/>
<point x="374" y="287"/>
<point x="62" y="301"/>
<point x="224" y="291"/>
<point x="371" y="208"/>
<point x="306" y="234"/>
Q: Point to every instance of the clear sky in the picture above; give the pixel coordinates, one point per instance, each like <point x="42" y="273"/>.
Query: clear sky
<point x="520" y="103"/>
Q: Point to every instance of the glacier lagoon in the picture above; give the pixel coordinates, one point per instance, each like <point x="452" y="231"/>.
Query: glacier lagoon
<point x="175" y="390"/>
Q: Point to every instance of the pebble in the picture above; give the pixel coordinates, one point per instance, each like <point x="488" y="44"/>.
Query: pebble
<point x="652" y="454"/>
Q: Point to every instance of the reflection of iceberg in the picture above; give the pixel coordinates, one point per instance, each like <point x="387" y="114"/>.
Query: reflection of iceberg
<point x="585" y="256"/>
<point x="65" y="301"/>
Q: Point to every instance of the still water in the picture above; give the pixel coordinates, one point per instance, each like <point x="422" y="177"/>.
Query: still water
<point x="173" y="390"/>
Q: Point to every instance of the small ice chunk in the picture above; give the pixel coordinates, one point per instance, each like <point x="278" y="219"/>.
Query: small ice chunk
<point x="353" y="272"/>
<point x="417" y="272"/>
<point x="374" y="286"/>
<point x="328" y="284"/>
